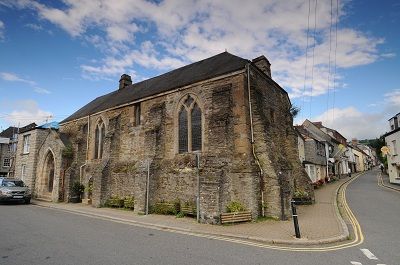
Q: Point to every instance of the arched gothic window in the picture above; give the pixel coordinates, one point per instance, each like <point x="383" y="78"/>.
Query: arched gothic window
<point x="190" y="126"/>
<point x="99" y="140"/>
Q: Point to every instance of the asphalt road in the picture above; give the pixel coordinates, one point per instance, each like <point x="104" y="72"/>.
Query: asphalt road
<point x="36" y="235"/>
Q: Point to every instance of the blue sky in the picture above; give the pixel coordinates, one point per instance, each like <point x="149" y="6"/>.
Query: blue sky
<point x="56" y="56"/>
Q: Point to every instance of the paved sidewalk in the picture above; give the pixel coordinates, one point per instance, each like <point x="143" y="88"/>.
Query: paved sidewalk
<point x="385" y="179"/>
<point x="319" y="223"/>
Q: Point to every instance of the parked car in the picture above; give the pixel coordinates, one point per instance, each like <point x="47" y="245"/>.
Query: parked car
<point x="14" y="190"/>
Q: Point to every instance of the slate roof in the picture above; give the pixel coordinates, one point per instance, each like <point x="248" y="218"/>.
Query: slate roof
<point x="8" y="133"/>
<point x="217" y="65"/>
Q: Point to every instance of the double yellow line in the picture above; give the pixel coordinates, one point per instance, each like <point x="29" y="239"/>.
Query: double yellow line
<point x="381" y="184"/>
<point x="358" y="235"/>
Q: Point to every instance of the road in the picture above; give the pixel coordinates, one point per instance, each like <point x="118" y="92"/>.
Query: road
<point x="36" y="235"/>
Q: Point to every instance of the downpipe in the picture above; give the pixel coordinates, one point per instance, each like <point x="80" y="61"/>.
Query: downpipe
<point x="261" y="172"/>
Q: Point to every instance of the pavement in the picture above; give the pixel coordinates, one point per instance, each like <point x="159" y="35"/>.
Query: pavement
<point x="387" y="184"/>
<point x="319" y="223"/>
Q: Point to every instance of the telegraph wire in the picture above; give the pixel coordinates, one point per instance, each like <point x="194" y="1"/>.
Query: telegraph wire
<point x="329" y="64"/>
<point x="305" y="67"/>
<point x="334" y="73"/>
<point x="313" y="55"/>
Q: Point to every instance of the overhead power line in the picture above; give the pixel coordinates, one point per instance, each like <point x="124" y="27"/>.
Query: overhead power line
<point x="305" y="67"/>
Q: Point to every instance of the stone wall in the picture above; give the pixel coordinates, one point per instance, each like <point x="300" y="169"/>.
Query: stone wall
<point x="314" y="154"/>
<point x="275" y="145"/>
<point x="227" y="170"/>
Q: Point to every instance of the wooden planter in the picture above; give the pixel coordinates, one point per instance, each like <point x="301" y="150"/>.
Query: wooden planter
<point x="236" y="217"/>
<point x="189" y="210"/>
<point x="302" y="201"/>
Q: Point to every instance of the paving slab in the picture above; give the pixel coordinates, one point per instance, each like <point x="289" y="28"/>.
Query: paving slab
<point x="319" y="223"/>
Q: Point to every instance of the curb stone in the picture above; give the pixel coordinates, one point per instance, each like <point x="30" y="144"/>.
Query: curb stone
<point x="305" y="242"/>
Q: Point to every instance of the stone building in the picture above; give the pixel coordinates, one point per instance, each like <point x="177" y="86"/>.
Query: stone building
<point x="8" y="148"/>
<point x="220" y="129"/>
<point x="315" y="160"/>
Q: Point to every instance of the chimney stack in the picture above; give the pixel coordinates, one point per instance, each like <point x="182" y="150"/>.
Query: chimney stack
<point x="354" y="142"/>
<point x="125" y="81"/>
<point x="263" y="64"/>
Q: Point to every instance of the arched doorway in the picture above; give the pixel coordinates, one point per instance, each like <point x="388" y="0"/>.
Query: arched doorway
<point x="48" y="174"/>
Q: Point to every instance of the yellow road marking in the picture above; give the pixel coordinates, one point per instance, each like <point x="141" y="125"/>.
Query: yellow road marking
<point x="359" y="237"/>
<point x="382" y="184"/>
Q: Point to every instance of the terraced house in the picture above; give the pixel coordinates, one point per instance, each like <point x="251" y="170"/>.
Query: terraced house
<point x="219" y="129"/>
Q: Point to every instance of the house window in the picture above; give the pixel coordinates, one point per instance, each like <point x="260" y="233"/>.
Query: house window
<point x="6" y="162"/>
<point x="137" y="114"/>
<point x="394" y="147"/>
<point x="99" y="140"/>
<point x="189" y="126"/>
<point x="26" y="143"/>
<point x="23" y="171"/>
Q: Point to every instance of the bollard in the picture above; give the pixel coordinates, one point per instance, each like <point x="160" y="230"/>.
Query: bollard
<point x="295" y="220"/>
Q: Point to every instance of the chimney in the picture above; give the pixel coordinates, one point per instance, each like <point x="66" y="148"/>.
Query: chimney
<point x="125" y="81"/>
<point x="263" y="64"/>
<point x="354" y="142"/>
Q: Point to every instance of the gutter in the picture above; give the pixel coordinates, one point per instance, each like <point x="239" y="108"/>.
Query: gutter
<point x="253" y="144"/>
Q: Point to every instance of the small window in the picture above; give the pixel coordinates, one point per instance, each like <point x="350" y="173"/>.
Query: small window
<point x="394" y="147"/>
<point x="6" y="162"/>
<point x="23" y="171"/>
<point x="137" y="114"/>
<point x="26" y="144"/>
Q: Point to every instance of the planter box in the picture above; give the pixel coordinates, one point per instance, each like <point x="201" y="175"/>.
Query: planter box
<point x="189" y="210"/>
<point x="75" y="200"/>
<point x="302" y="201"/>
<point x="235" y="217"/>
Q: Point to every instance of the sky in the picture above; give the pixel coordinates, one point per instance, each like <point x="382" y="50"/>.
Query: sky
<point x="338" y="60"/>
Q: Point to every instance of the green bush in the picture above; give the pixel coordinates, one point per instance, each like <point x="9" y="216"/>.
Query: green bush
<point x="166" y="208"/>
<point x="115" y="201"/>
<point x="129" y="202"/>
<point x="77" y="188"/>
<point x="300" y="194"/>
<point x="234" y="207"/>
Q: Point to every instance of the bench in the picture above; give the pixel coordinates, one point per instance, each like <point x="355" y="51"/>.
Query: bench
<point x="236" y="217"/>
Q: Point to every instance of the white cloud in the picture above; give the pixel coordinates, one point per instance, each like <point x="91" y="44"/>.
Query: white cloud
<point x="33" y="26"/>
<point x="25" y="112"/>
<point x="41" y="90"/>
<point x="187" y="31"/>
<point x="393" y="98"/>
<point x="352" y="123"/>
<point x="11" y="77"/>
<point x="15" y="78"/>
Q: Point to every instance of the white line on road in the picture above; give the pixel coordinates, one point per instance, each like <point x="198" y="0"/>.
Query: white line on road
<point x="368" y="253"/>
<point x="355" y="263"/>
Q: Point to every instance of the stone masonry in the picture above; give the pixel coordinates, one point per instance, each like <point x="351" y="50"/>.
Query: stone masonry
<point x="261" y="175"/>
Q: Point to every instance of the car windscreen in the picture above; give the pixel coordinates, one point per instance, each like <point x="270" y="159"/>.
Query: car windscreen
<point x="12" y="183"/>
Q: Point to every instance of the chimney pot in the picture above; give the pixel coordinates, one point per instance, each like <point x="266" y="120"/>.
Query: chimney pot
<point x="125" y="81"/>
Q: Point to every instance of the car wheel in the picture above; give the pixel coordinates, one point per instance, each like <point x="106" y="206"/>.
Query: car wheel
<point x="27" y="201"/>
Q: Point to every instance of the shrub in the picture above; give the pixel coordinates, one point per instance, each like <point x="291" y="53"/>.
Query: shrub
<point x="299" y="193"/>
<point x="129" y="202"/>
<point x="166" y="208"/>
<point x="234" y="207"/>
<point x="77" y="188"/>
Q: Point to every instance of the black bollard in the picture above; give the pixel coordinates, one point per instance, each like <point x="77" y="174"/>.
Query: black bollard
<point x="295" y="220"/>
